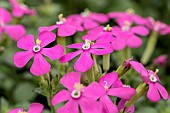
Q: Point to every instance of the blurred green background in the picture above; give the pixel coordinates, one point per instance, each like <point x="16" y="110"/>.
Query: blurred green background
<point x="17" y="85"/>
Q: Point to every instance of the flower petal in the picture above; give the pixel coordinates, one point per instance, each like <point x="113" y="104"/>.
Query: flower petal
<point x="36" y="108"/>
<point x="16" y="110"/>
<point x="76" y="45"/>
<point x="162" y="91"/>
<point x="21" y="58"/>
<point x="94" y="90"/>
<point x="40" y="66"/>
<point x="116" y="14"/>
<point x="89" y="105"/>
<point x="26" y="42"/>
<point x="134" y="41"/>
<point x="119" y="44"/>
<point x="66" y="30"/>
<point x="139" y="67"/>
<point x="89" y="24"/>
<point x="70" y="107"/>
<point x="165" y="31"/>
<point x="101" y="48"/>
<point x="108" y="106"/>
<point x="46" y="37"/>
<point x="99" y="17"/>
<point x="69" y="79"/>
<point x="61" y="96"/>
<point x="15" y="31"/>
<point x="84" y="62"/>
<point x="108" y="79"/>
<point x="140" y="30"/>
<point x="153" y="93"/>
<point x="47" y="28"/>
<point x="54" y="52"/>
<point x="5" y="15"/>
<point x="122" y="92"/>
<point x="70" y="56"/>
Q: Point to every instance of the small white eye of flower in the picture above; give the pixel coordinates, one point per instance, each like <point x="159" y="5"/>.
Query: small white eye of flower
<point x="153" y="78"/>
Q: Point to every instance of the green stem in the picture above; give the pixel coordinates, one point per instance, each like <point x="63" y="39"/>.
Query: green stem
<point x="62" y="41"/>
<point x="140" y="91"/>
<point x="106" y="62"/>
<point x="96" y="69"/>
<point x="151" y="44"/>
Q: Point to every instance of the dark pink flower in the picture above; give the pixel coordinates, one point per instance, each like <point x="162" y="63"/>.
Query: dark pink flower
<point x="161" y="60"/>
<point x="89" y="19"/>
<point x="13" y="31"/>
<point x="157" y="26"/>
<point x="106" y="34"/>
<point x="110" y="82"/>
<point x="18" y="10"/>
<point x="65" y="27"/>
<point x="130" y="33"/>
<point x="151" y="78"/>
<point x="34" y="108"/>
<point x="85" y="62"/>
<point x="40" y="66"/>
<point x="128" y="14"/>
<point x="78" y="95"/>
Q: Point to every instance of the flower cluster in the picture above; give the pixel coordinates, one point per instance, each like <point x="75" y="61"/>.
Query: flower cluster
<point x="87" y="89"/>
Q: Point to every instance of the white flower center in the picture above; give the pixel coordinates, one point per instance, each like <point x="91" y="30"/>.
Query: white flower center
<point x="105" y="86"/>
<point x="36" y="48"/>
<point x="107" y="28"/>
<point x="62" y="20"/>
<point x="126" y="26"/>
<point x="76" y="93"/>
<point x="87" y="44"/>
<point x="153" y="78"/>
<point x="23" y="6"/>
<point x="86" y="13"/>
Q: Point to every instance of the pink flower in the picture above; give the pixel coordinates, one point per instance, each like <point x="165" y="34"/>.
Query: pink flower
<point x="89" y="19"/>
<point x="34" y="108"/>
<point x="157" y="26"/>
<point x="85" y="62"/>
<point x="130" y="33"/>
<point x="127" y="110"/>
<point x="78" y="95"/>
<point x="13" y="31"/>
<point x="65" y="27"/>
<point x="161" y="60"/>
<point x="130" y="14"/>
<point x="151" y="78"/>
<point x="18" y="10"/>
<point x="110" y="82"/>
<point x="40" y="66"/>
<point x="106" y="34"/>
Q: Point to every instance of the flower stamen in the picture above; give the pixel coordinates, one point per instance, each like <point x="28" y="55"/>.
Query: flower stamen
<point x="22" y="111"/>
<point x="87" y="44"/>
<point x="107" y="28"/>
<point x="37" y="47"/>
<point x="77" y="92"/>
<point x="86" y="13"/>
<point x="126" y="26"/>
<point x="62" y="20"/>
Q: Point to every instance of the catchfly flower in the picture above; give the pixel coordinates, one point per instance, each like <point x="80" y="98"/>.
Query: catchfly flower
<point x="157" y="26"/>
<point x="65" y="27"/>
<point x="106" y="34"/>
<point x="40" y="66"/>
<point x="161" y="60"/>
<point x="112" y="88"/>
<point x="34" y="108"/>
<point x="152" y="79"/>
<point x="19" y="10"/>
<point x="89" y="19"/>
<point x="130" y="14"/>
<point x="13" y="31"/>
<point x="130" y="33"/>
<point x="85" y="62"/>
<point x="78" y="95"/>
